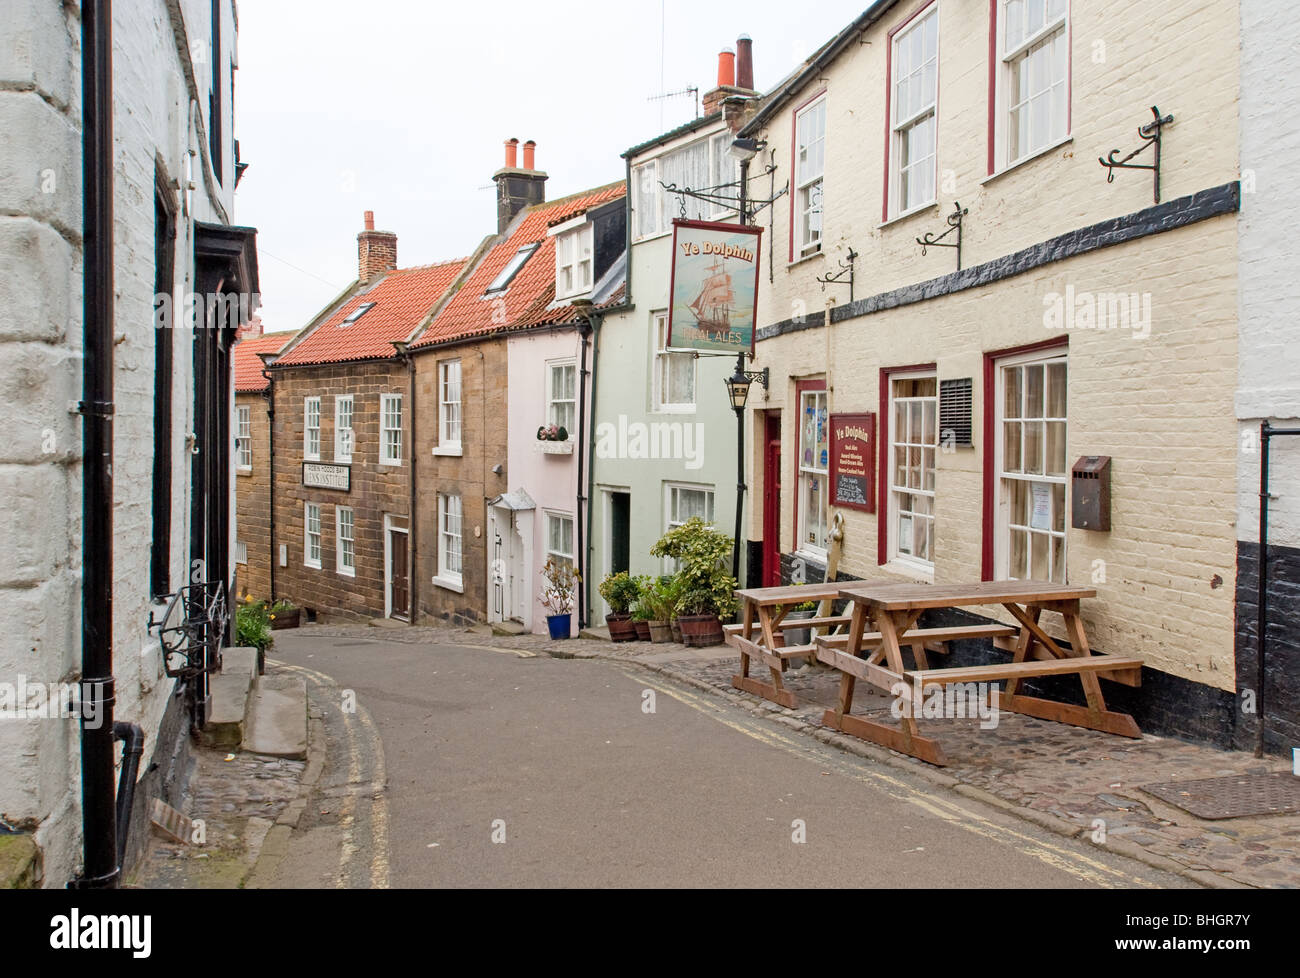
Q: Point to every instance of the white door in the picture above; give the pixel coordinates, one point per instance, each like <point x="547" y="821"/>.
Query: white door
<point x="499" y="578"/>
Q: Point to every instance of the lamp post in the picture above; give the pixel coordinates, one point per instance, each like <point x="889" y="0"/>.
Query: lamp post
<point x="738" y="384"/>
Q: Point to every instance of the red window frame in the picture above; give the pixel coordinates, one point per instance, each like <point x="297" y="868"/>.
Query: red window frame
<point x="883" y="464"/>
<point x="991" y="358"/>
<point x="802" y="387"/>
<point x="889" y="104"/>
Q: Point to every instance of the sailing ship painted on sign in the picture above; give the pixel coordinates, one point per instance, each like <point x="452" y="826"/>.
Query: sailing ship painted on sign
<point x="714" y="286"/>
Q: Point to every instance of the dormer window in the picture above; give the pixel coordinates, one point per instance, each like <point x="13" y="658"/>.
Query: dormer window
<point x="573" y="264"/>
<point x="358" y="312"/>
<point x="502" y="281"/>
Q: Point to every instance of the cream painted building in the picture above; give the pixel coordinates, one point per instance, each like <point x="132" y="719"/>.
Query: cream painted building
<point x="1085" y="320"/>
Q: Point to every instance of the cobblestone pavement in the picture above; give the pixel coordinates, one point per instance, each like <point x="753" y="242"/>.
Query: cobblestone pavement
<point x="1079" y="781"/>
<point x="236" y="800"/>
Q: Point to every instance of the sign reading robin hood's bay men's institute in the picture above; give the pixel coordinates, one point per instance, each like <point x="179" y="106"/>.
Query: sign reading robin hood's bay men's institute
<point x="714" y="286"/>
<point x="853" y="454"/>
<point x="319" y="475"/>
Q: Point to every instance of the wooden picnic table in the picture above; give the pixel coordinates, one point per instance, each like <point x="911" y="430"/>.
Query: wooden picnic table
<point x="755" y="637"/>
<point x="883" y="622"/>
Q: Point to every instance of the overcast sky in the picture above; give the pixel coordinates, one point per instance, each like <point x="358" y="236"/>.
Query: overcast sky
<point x="402" y="106"/>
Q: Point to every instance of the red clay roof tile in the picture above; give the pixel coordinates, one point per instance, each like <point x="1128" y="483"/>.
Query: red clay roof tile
<point x="248" y="365"/>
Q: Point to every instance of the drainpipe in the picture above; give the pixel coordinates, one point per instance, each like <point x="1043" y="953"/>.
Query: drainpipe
<point x="412" y="577"/>
<point x="1266" y="432"/>
<point x="585" y="330"/>
<point x="270" y="467"/>
<point x="102" y="867"/>
<point x="132" y="738"/>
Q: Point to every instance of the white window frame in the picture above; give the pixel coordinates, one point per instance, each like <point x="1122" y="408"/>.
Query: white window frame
<point x="809" y="471"/>
<point x="1008" y="57"/>
<point x="311" y="516"/>
<point x="241" y="552"/>
<point x="653" y="208"/>
<point x="311" y="429"/>
<point x="244" y="438"/>
<point x="809" y="189"/>
<point x="344" y="434"/>
<point x="574" y="262"/>
<point x="1059" y="501"/>
<point x="664" y="358"/>
<point x="672" y="511"/>
<point x="562" y="555"/>
<point x="451" y="508"/>
<point x="901" y="126"/>
<point x="912" y="446"/>
<point x="387" y="455"/>
<point x="346" y="543"/>
<point x="450" y="416"/>
<point x="553" y="402"/>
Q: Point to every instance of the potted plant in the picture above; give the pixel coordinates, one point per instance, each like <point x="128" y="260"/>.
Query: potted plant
<point x="800" y="636"/>
<point x="284" y="614"/>
<point x="661" y="599"/>
<point x="253" y="628"/>
<point x="620" y="593"/>
<point x="558" y="593"/>
<point x="552" y="432"/>
<point x="641" y="613"/>
<point x="707" y="589"/>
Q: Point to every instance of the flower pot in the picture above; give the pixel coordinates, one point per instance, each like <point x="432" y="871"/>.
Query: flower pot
<point x="621" y="628"/>
<point x="661" y="631"/>
<point x="642" y="630"/>
<point x="287" y="619"/>
<point x="677" y="630"/>
<point x="701" y="630"/>
<point x="559" y="625"/>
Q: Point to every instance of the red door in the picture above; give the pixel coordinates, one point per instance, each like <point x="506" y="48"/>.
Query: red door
<point x="772" y="500"/>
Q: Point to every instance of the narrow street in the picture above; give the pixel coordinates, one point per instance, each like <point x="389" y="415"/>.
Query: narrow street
<point x="696" y="793"/>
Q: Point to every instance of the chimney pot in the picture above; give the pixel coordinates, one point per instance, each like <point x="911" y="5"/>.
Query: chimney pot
<point x="370" y="220"/>
<point x="745" y="62"/>
<point x="726" y="68"/>
<point x="376" y="251"/>
<point x="529" y="148"/>
<point x="512" y="159"/>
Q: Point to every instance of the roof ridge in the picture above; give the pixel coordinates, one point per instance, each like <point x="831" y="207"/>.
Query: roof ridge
<point x="570" y="198"/>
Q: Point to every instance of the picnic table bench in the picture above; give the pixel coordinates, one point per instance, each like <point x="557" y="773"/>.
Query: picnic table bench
<point x="883" y="623"/>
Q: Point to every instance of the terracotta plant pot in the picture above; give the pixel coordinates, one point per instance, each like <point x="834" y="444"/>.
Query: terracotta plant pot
<point x="677" y="631"/>
<point x="661" y="631"/>
<point x="642" y="630"/>
<point x="701" y="630"/>
<point x="621" y="628"/>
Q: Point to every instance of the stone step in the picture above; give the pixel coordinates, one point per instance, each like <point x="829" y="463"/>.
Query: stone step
<point x="231" y="689"/>
<point x="507" y="628"/>
<point x="277" y="719"/>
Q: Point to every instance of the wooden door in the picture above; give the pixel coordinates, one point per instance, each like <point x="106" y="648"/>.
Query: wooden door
<point x="399" y="584"/>
<point x="772" y="500"/>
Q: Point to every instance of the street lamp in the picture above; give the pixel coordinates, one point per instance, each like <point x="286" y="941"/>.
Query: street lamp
<point x="738" y="385"/>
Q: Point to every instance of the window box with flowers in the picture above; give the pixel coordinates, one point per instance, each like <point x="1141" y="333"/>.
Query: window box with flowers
<point x="553" y="439"/>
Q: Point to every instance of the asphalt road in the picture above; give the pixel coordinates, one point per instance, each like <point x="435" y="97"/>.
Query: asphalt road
<point x="466" y="766"/>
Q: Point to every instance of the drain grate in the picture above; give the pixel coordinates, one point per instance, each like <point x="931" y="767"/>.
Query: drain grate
<point x="1233" y="796"/>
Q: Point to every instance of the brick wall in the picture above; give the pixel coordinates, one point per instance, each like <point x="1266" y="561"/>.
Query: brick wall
<point x="376" y="489"/>
<point x="253" y="502"/>
<point x="483" y="445"/>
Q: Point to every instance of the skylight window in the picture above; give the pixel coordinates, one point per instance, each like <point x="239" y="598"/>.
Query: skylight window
<point x="500" y="283"/>
<point x="358" y="312"/>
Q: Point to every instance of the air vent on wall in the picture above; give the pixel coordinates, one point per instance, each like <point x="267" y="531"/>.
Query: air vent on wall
<point x="955" y="412"/>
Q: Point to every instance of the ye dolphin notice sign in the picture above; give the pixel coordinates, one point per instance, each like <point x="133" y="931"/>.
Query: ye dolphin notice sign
<point x="714" y="286"/>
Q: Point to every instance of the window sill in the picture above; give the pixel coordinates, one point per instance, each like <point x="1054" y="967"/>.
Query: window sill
<point x="308" y="564"/>
<point x="808" y="257"/>
<point x="241" y="470"/>
<point x="347" y="573"/>
<point x="384" y="466"/>
<point x="450" y="584"/>
<point x="448" y="451"/>
<point x="554" y="447"/>
<point x="905" y="568"/>
<point x="1028" y="159"/>
<point x="817" y="557"/>
<point x="921" y="209"/>
<point x="676" y="409"/>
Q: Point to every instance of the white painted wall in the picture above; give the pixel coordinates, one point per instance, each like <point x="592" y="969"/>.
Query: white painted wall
<point x="40" y="371"/>
<point x="1269" y="295"/>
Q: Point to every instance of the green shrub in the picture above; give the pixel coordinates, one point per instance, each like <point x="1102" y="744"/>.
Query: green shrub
<point x="620" y="592"/>
<point x="253" y="626"/>
<point x="702" y="554"/>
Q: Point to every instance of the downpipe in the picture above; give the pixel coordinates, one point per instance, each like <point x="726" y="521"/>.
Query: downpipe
<point x="132" y="738"/>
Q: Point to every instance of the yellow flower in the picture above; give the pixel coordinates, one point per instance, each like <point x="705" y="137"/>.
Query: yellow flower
<point x="273" y="618"/>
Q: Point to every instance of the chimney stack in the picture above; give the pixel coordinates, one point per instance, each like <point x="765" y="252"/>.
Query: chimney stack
<point x="376" y="251"/>
<point x="518" y="187"/>
<point x="735" y="78"/>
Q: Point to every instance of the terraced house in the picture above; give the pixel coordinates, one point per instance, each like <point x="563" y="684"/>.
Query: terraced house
<point x="342" y="492"/>
<point x="995" y="357"/>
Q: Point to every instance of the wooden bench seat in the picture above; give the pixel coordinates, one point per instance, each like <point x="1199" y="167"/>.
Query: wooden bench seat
<point x="1025" y="670"/>
<point x="935" y="638"/>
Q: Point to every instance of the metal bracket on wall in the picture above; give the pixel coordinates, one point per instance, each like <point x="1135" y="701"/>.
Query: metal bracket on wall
<point x="1150" y="135"/>
<point x="836" y="278"/>
<point x="954" y="224"/>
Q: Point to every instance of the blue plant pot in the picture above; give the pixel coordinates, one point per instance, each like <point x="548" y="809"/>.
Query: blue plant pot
<point x="559" y="625"/>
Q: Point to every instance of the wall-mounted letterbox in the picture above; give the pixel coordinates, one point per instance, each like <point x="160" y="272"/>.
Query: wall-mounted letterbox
<point x="1090" y="493"/>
